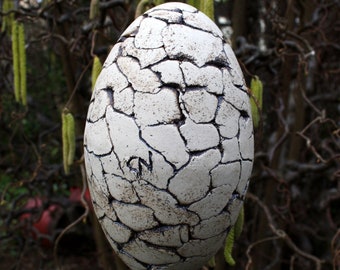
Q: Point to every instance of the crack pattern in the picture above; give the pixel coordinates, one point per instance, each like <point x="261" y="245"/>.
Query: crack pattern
<point x="169" y="142"/>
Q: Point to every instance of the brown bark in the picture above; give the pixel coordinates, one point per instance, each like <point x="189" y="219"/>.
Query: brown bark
<point x="238" y="19"/>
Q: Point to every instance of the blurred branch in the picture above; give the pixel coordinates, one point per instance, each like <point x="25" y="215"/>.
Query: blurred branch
<point x="335" y="245"/>
<point x="74" y="223"/>
<point x="111" y="3"/>
<point x="280" y="234"/>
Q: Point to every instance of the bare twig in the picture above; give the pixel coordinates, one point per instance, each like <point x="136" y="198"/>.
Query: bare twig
<point x="77" y="84"/>
<point x="284" y="136"/>
<point x="318" y="119"/>
<point x="252" y="245"/>
<point x="281" y="234"/>
<point x="78" y="220"/>
<point x="335" y="245"/>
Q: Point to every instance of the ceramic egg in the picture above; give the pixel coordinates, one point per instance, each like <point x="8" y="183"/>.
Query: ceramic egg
<point x="168" y="142"/>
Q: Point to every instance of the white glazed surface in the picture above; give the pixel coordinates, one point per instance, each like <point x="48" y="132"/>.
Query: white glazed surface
<point x="168" y="142"/>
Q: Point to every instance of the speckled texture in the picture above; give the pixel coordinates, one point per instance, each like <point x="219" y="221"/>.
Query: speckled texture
<point x="169" y="140"/>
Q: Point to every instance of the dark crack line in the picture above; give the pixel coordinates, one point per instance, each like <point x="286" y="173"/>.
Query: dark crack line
<point x="118" y="44"/>
<point x="93" y="153"/>
<point x="154" y="149"/>
<point x="182" y="21"/>
<point x="112" y="145"/>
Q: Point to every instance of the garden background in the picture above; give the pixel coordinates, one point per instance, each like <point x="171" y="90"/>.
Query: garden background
<point x="292" y="215"/>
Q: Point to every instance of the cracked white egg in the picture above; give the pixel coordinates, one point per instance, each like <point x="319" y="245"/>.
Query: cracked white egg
<point x="168" y="142"/>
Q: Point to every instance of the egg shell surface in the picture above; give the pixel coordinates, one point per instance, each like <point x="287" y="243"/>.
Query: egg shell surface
<point x="168" y="142"/>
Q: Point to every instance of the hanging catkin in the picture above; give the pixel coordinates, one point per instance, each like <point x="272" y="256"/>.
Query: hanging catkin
<point x="16" y="60"/>
<point x="68" y="139"/>
<point x="234" y="233"/>
<point x="22" y="64"/>
<point x="96" y="68"/>
<point x="19" y="62"/>
<point x="256" y="88"/>
<point x="94" y="9"/>
<point x="228" y="248"/>
<point x="194" y="3"/>
<point x="7" y="20"/>
<point x="207" y="7"/>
